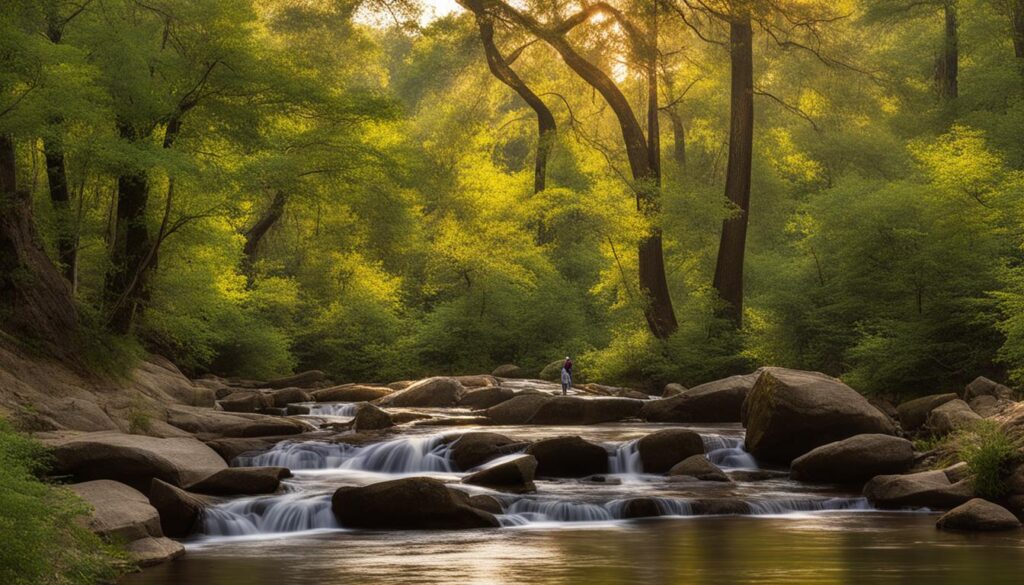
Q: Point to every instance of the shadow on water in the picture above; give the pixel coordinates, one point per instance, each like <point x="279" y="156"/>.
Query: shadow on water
<point x="875" y="548"/>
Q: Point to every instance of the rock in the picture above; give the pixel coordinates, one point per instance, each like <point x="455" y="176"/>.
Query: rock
<point x="410" y="503"/>
<point x="508" y="371"/>
<point x="854" y="460"/>
<point x="661" y="450"/>
<point x="370" y="418"/>
<point x="927" y="489"/>
<point x="229" y="448"/>
<point x="982" y="386"/>
<point x="473" y="449"/>
<point x="1015" y="482"/>
<point x="518" y="410"/>
<point x="454" y="421"/>
<point x="488" y="504"/>
<point x="542" y="409"/>
<point x="147" y="552"/>
<point x="308" y="379"/>
<point x="790" y="412"/>
<point x="479" y="381"/>
<point x="699" y="467"/>
<point x="914" y="413"/>
<point x="885" y="407"/>
<point x="350" y="393"/>
<point x="757" y="474"/>
<point x="134" y="459"/>
<point x="486" y="397"/>
<point x="986" y="406"/>
<point x="957" y="472"/>
<point x="242" y="481"/>
<point x="720" y="507"/>
<point x="180" y="511"/>
<point x="119" y="513"/>
<point x="282" y="398"/>
<point x="244" y="401"/>
<point x="212" y="424"/>
<point x="978" y="515"/>
<point x="640" y="508"/>
<point x="401" y="385"/>
<point x="672" y="389"/>
<point x="568" y="457"/>
<point x="513" y="473"/>
<point x="718" y="401"/>
<point x="297" y="410"/>
<point x="432" y="392"/>
<point x="158" y="376"/>
<point x="951" y="417"/>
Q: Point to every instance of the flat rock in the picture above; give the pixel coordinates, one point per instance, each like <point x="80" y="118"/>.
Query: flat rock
<point x="147" y="552"/>
<point x="213" y="424"/>
<point x="350" y="393"/>
<point x="854" y="460"/>
<point x="119" y="513"/>
<point x="978" y="515"/>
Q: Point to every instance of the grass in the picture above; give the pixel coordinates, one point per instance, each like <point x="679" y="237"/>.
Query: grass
<point x="41" y="539"/>
<point x="990" y="454"/>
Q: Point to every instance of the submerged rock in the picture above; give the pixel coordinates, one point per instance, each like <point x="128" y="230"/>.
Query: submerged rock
<point x="661" y="450"/>
<point x="412" y="503"/>
<point x="856" y="459"/>
<point x="698" y="466"/>
<point x="790" y="412"/>
<point x="717" y="401"/>
<point x="951" y="417"/>
<point x="568" y="457"/>
<point x="431" y="392"/>
<point x="978" y="515"/>
<point x="513" y="474"/>
<point x="914" y="413"/>
<point x="928" y="489"/>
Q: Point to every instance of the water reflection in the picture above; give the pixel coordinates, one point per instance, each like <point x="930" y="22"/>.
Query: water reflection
<point x="876" y="548"/>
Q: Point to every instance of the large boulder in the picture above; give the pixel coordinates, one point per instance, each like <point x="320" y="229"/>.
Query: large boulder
<point x="307" y="379"/>
<point x="473" y="449"/>
<point x="508" y="371"/>
<point x="180" y="511"/>
<point x="951" y="417"/>
<point x="210" y="424"/>
<point x="854" y="460"/>
<point x="407" y="504"/>
<point x="914" y="413"/>
<point x="698" y="466"/>
<point x="486" y="397"/>
<point x="982" y="386"/>
<point x="718" y="401"/>
<point x="370" y="418"/>
<point x="432" y="392"/>
<point x="542" y="409"/>
<point x="350" y="393"/>
<point x="235" y="481"/>
<point x="661" y="450"/>
<point x="519" y="410"/>
<point x="978" y="515"/>
<point x="513" y="473"/>
<point x="568" y="457"/>
<point x="134" y="459"/>
<point x="928" y="489"/>
<point x="672" y="389"/>
<point x="123" y="515"/>
<point x="790" y="412"/>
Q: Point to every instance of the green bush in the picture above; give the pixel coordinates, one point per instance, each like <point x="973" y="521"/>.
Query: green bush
<point x="41" y="542"/>
<point x="989" y="452"/>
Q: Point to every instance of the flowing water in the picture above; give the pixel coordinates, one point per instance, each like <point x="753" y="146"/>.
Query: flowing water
<point x="574" y="531"/>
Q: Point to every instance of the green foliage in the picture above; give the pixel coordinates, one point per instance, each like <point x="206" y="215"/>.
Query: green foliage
<point x="989" y="452"/>
<point x="44" y="543"/>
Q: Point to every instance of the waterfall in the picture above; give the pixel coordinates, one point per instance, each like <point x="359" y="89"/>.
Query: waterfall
<point x="334" y="408"/>
<point x="793" y="505"/>
<point x="407" y="455"/>
<point x="523" y="511"/>
<point x="626" y="458"/>
<point x="267" y="515"/>
<point x="728" y="452"/>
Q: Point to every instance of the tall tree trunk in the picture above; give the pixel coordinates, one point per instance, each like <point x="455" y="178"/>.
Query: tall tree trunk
<point x="732" y="247"/>
<point x="948" y="65"/>
<point x="60" y="197"/>
<point x="1016" y="13"/>
<point x="35" y="302"/>
<point x="678" y="136"/>
<point x="255" y="234"/>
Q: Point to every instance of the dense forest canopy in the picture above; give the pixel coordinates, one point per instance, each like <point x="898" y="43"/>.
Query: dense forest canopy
<point x="667" y="190"/>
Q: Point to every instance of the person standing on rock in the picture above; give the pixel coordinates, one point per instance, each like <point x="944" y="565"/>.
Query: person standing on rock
<point x="566" y="375"/>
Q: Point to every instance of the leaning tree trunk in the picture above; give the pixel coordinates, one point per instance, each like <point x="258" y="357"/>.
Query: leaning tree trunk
<point x="255" y="234"/>
<point x="35" y="302"/>
<point x="948" y="65"/>
<point x="732" y="247"/>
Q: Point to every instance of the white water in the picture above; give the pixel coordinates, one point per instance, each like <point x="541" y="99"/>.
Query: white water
<point x="728" y="452"/>
<point x="792" y="505"/>
<point x="626" y="459"/>
<point x="294" y="512"/>
<point x="334" y="409"/>
<point x="399" y="456"/>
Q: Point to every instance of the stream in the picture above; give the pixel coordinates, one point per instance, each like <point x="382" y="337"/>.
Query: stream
<point x="571" y="530"/>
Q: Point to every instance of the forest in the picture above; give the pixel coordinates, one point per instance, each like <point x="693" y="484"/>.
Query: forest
<point x="666" y="190"/>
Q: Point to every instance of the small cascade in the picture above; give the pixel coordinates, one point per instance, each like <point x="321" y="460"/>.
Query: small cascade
<point x="626" y="458"/>
<point x="796" y="505"/>
<point x="334" y="409"/>
<point x="269" y="515"/>
<point x="523" y="511"/>
<point x="407" y="455"/>
<point x="728" y="452"/>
